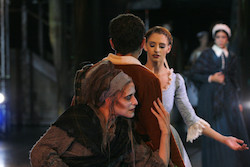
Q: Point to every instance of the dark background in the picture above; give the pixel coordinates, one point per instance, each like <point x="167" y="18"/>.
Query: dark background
<point x="45" y="42"/>
<point x="79" y="29"/>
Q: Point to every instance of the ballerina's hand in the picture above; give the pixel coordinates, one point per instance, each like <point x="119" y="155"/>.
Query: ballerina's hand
<point x="162" y="116"/>
<point x="236" y="144"/>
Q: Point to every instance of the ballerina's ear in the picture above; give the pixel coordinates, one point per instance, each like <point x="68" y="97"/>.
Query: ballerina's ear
<point x="169" y="48"/>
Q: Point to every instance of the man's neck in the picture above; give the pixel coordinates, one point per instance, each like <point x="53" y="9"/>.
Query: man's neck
<point x="135" y="54"/>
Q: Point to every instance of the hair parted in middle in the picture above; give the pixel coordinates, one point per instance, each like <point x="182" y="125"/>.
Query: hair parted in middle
<point x="160" y="30"/>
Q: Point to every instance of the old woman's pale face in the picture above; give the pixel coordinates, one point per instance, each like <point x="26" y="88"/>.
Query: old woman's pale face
<point x="126" y="102"/>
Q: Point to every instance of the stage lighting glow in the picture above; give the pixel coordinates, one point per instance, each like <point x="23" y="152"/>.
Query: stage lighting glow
<point x="1" y="98"/>
<point x="246" y="105"/>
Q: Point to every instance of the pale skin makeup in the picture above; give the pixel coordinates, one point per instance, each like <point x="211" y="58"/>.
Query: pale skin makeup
<point x="157" y="47"/>
<point x="126" y="102"/>
<point x="125" y="106"/>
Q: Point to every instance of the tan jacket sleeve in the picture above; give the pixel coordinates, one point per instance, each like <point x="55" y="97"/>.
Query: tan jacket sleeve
<point x="47" y="150"/>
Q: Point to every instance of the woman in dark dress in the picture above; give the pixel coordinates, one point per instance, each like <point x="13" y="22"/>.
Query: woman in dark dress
<point x="216" y="73"/>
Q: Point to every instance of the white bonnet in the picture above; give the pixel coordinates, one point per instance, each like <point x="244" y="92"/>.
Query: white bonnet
<point x="223" y="27"/>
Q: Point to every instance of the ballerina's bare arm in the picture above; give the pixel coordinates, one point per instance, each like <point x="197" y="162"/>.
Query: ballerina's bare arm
<point x="231" y="142"/>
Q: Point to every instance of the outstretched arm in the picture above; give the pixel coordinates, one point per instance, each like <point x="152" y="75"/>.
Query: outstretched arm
<point x="231" y="142"/>
<point x="164" y="123"/>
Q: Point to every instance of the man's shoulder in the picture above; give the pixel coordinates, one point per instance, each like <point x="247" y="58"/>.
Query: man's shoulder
<point x="137" y="70"/>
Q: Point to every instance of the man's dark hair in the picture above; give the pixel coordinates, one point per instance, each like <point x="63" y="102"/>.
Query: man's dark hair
<point x="127" y="32"/>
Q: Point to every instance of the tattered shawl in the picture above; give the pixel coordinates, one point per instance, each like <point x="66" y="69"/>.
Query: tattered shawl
<point x="82" y="123"/>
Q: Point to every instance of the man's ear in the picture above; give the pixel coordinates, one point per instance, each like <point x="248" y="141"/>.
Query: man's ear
<point x="111" y="43"/>
<point x="144" y="44"/>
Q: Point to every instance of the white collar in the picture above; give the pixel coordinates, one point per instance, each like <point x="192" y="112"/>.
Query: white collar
<point x="122" y="60"/>
<point x="218" y="51"/>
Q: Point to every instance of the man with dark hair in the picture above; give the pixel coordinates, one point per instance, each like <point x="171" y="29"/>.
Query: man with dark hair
<point x="124" y="25"/>
<point x="127" y="39"/>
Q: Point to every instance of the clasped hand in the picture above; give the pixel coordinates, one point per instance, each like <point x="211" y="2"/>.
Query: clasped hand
<point x="218" y="77"/>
